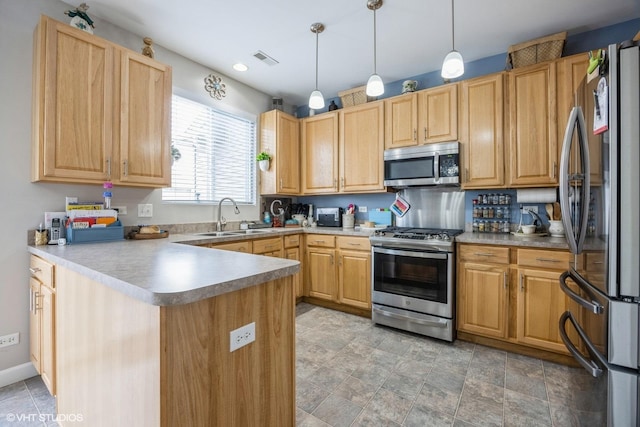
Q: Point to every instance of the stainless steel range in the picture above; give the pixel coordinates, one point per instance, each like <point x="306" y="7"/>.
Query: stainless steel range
<point x="413" y="266"/>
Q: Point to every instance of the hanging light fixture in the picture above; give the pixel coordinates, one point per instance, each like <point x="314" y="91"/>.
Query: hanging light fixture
<point x="316" y="100"/>
<point x="375" y="87"/>
<point x="453" y="65"/>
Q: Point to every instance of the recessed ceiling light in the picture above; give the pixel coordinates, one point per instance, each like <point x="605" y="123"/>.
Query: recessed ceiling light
<point x="240" y="67"/>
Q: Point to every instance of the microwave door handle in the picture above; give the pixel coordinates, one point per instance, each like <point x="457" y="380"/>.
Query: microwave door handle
<point x="436" y="166"/>
<point x="593" y="306"/>
<point x="590" y="365"/>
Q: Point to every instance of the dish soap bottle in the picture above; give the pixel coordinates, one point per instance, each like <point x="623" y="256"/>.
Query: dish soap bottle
<point x="267" y="217"/>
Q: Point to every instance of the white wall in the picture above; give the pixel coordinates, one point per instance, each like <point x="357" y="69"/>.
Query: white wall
<point x="23" y="202"/>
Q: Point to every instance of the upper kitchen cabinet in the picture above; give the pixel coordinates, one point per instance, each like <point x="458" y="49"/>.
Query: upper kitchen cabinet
<point x="482" y="131"/>
<point x="320" y="154"/>
<point x="361" y="146"/>
<point x="100" y="112"/>
<point x="280" y="137"/>
<point x="423" y="117"/>
<point x="533" y="148"/>
<point x="573" y="90"/>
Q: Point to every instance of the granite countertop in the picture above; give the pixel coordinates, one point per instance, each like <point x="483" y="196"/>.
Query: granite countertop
<point x="545" y="242"/>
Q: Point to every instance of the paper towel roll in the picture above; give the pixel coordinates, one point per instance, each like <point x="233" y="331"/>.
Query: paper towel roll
<point x="536" y="195"/>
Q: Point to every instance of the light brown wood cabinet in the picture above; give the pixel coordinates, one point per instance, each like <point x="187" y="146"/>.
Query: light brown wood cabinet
<point x="268" y="247"/>
<point x="280" y="137"/>
<point x="100" y="111"/>
<point x="512" y="294"/>
<point x="573" y="90"/>
<point x="533" y="148"/>
<point x="422" y="117"/>
<point x="42" y="320"/>
<point x="338" y="269"/>
<point x="320" y="154"/>
<point x="361" y="147"/>
<point x="482" y="131"/>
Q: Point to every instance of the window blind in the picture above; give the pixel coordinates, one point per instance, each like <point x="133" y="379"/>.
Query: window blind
<point x="217" y="155"/>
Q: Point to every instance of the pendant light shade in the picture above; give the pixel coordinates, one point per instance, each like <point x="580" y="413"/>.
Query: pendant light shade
<point x="375" y="86"/>
<point x="316" y="100"/>
<point x="453" y="65"/>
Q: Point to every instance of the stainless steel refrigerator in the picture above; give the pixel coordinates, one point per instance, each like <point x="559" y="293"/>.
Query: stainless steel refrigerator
<point x="602" y="225"/>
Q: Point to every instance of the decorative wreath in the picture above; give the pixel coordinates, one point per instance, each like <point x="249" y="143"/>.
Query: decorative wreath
<point x="213" y="84"/>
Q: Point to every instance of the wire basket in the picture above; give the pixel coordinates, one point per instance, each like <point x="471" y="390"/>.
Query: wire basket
<point x="535" y="51"/>
<point x="355" y="96"/>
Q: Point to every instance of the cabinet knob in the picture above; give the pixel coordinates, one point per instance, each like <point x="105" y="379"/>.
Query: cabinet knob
<point x="415" y="134"/>
<point x="125" y="167"/>
<point x="504" y="279"/>
<point x="34" y="270"/>
<point x="425" y="134"/>
<point x="521" y="282"/>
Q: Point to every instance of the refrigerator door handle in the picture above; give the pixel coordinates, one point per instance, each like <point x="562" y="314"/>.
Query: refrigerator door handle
<point x="575" y="237"/>
<point x="590" y="365"/>
<point x="593" y="306"/>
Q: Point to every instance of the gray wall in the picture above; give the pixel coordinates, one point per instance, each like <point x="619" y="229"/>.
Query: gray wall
<point x="23" y="202"/>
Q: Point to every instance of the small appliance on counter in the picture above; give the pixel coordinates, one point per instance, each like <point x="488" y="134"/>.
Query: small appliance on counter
<point x="329" y="217"/>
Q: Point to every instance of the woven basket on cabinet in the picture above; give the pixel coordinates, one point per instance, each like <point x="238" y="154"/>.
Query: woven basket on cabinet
<point x="535" y="51"/>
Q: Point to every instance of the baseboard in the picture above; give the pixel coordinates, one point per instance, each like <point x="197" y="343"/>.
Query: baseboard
<point x="17" y="373"/>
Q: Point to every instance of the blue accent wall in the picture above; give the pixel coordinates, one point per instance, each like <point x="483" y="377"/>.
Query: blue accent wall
<point x="581" y="42"/>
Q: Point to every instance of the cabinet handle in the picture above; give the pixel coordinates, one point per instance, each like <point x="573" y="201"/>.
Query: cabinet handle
<point x="36" y="295"/>
<point x="415" y="134"/>
<point x="521" y="282"/>
<point x="318" y="241"/>
<point x="281" y="183"/>
<point x="340" y="261"/>
<point x="335" y="183"/>
<point x="109" y="167"/>
<point x="547" y="260"/>
<point x="342" y="182"/>
<point x="331" y="259"/>
<point x="466" y="175"/>
<point x="598" y="262"/>
<point x="484" y="254"/>
<point x="555" y="169"/>
<point x="126" y="167"/>
<point x="354" y="244"/>
<point x="425" y="134"/>
<point x="504" y="279"/>
<point x="34" y="270"/>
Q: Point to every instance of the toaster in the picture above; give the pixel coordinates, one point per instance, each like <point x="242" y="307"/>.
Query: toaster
<point x="329" y="217"/>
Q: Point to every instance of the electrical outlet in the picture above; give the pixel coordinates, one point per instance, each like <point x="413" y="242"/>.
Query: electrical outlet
<point x="362" y="209"/>
<point x="11" y="339"/>
<point x="242" y="336"/>
<point x="122" y="210"/>
<point x="145" y="210"/>
<point x="530" y="208"/>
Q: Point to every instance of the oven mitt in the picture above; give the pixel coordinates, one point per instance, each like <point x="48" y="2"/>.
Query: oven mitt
<point x="400" y="207"/>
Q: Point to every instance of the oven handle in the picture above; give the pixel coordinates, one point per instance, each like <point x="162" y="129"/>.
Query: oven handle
<point x="593" y="305"/>
<point x="415" y="254"/>
<point x="440" y="323"/>
<point x="590" y="365"/>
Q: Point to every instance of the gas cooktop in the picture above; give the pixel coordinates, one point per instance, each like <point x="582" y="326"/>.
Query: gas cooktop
<point x="409" y="237"/>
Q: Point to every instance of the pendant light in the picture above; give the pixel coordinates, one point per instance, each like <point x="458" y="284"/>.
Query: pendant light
<point x="316" y="100"/>
<point x="453" y="65"/>
<point x="375" y="87"/>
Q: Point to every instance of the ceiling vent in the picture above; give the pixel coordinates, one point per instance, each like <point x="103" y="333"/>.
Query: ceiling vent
<point x="265" y="58"/>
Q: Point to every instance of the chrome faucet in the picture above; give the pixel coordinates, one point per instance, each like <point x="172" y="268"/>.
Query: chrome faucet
<point x="221" y="220"/>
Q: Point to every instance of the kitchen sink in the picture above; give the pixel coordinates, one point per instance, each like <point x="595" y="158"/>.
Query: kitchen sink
<point x="233" y="233"/>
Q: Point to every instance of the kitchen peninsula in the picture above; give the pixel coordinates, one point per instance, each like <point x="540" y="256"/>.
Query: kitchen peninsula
<point x="143" y="335"/>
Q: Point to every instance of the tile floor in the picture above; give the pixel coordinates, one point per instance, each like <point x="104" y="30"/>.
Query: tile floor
<point x="352" y="373"/>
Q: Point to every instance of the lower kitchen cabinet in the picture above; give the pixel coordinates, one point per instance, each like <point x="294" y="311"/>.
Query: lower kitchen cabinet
<point x="244" y="246"/>
<point x="338" y="269"/>
<point x="268" y="247"/>
<point x="512" y="294"/>
<point x="292" y="251"/>
<point x="42" y="320"/>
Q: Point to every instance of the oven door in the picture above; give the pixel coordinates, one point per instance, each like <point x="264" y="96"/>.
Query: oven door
<point x="414" y="280"/>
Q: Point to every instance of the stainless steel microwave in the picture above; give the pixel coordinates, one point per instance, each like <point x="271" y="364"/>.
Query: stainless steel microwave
<point x="431" y="164"/>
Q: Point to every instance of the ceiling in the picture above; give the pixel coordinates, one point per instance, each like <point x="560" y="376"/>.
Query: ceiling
<point x="413" y="35"/>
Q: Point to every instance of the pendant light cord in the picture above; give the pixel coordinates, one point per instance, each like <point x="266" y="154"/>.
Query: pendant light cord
<point x="316" y="60"/>
<point x="375" y="62"/>
<point x="453" y="34"/>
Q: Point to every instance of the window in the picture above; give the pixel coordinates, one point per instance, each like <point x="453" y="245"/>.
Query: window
<point x="217" y="153"/>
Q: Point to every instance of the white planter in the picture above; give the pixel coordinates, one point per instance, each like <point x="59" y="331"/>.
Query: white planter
<point x="264" y="165"/>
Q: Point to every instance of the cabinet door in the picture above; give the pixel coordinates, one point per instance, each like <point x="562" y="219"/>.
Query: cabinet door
<point x="361" y="148"/>
<point x="573" y="90"/>
<point x="541" y="302"/>
<point x="145" y="121"/>
<point x="321" y="273"/>
<point x="483" y="291"/>
<point x="354" y="278"/>
<point x="401" y="121"/>
<point x="243" y="246"/>
<point x="294" y="254"/>
<point x="73" y="93"/>
<point x="35" y="330"/>
<point x="438" y="114"/>
<point x="482" y="130"/>
<point x="48" y="338"/>
<point x="320" y="154"/>
<point x="280" y="137"/>
<point x="533" y="120"/>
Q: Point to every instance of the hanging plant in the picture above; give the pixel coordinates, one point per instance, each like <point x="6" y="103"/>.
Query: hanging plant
<point x="264" y="160"/>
